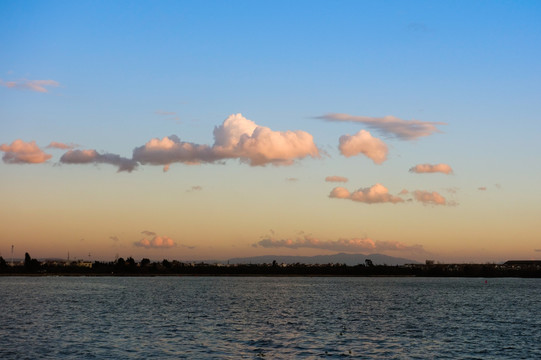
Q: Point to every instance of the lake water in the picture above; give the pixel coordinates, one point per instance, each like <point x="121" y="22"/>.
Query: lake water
<point x="273" y="318"/>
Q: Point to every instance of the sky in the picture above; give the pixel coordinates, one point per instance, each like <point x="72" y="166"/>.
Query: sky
<point x="198" y="130"/>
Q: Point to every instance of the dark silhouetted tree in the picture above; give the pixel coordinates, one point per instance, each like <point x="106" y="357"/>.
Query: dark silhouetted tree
<point x="145" y="262"/>
<point x="369" y="263"/>
<point x="3" y="263"/>
<point x="30" y="264"/>
<point x="130" y="262"/>
<point x="27" y="260"/>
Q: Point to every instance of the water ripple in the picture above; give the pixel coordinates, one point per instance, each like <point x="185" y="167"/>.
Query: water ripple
<point x="272" y="318"/>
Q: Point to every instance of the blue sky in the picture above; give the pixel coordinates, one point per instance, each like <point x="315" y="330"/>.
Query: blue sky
<point x="128" y="72"/>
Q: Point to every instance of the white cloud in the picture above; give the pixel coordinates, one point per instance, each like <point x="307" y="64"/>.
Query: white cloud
<point x="363" y="142"/>
<point x="20" y="152"/>
<point x="390" y="125"/>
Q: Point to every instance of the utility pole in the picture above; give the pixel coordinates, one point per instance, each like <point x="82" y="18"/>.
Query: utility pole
<point x="11" y="255"/>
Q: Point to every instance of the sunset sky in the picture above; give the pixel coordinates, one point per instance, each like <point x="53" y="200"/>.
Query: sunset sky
<point x="198" y="130"/>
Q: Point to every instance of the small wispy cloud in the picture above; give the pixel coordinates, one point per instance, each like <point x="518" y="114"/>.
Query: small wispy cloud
<point x="61" y="146"/>
<point x="170" y="115"/>
<point x="21" y="152"/>
<point x="390" y="125"/>
<point x="336" y="179"/>
<point x="292" y="179"/>
<point x="195" y="188"/>
<point x="429" y="168"/>
<point x="482" y="188"/>
<point x="114" y="238"/>
<point x="32" y="85"/>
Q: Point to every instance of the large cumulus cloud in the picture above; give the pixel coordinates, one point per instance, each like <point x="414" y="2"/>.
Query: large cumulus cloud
<point x="236" y="138"/>
<point x="20" y="152"/>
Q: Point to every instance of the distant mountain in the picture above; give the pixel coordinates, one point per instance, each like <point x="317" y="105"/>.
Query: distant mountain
<point x="341" y="258"/>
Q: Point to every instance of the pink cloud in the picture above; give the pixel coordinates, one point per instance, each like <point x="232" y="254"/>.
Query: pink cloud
<point x="237" y="138"/>
<point x="390" y="125"/>
<point x="403" y="192"/>
<point x="92" y="156"/>
<point x="364" y="143"/>
<point x="428" y="168"/>
<point x="372" y="195"/>
<point x="153" y="241"/>
<point x="427" y="197"/>
<point x="342" y="244"/>
<point x="171" y="150"/>
<point x="336" y="179"/>
<point x="241" y="138"/>
<point x="32" y="85"/>
<point x="340" y="193"/>
<point x="62" y="146"/>
<point x="20" y="152"/>
<point x="482" y="188"/>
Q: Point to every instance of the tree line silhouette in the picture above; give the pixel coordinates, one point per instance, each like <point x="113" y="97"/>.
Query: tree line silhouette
<point x="145" y="267"/>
